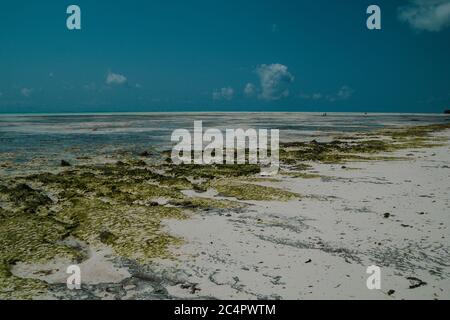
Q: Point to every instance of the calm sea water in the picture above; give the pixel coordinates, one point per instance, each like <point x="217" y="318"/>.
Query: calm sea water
<point x="25" y="137"/>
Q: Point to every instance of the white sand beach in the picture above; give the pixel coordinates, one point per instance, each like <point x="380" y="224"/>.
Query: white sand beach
<point x="393" y="214"/>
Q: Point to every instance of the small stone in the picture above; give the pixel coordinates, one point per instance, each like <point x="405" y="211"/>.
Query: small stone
<point x="415" y="282"/>
<point x="387" y="214"/>
<point x="185" y="285"/>
<point x="65" y="163"/>
<point x="107" y="237"/>
<point x="141" y="163"/>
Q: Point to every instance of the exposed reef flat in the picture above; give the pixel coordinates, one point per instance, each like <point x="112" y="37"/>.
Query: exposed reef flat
<point x="141" y="227"/>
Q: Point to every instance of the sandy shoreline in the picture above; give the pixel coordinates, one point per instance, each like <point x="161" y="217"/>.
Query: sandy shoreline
<point x="319" y="247"/>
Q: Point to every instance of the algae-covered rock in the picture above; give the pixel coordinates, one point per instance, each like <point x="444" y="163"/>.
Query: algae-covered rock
<point x="12" y="287"/>
<point x="133" y="231"/>
<point x="361" y="147"/>
<point x="65" y="163"/>
<point x="214" y="170"/>
<point x="206" y="203"/>
<point x="35" y="239"/>
<point x="25" y="198"/>
<point x="249" y="191"/>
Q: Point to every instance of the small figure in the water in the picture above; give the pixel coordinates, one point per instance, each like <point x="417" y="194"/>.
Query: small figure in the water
<point x="324" y="114"/>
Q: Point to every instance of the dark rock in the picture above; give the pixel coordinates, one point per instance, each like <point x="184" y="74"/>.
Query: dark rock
<point x="447" y="111"/>
<point x="415" y="282"/>
<point x="199" y="188"/>
<point x="23" y="194"/>
<point x="391" y="292"/>
<point x="194" y="288"/>
<point x="387" y="214"/>
<point x="144" y="154"/>
<point x="107" y="237"/>
<point x="65" y="163"/>
<point x="141" y="163"/>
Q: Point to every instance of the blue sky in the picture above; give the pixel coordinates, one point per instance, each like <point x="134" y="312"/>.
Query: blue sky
<point x="248" y="55"/>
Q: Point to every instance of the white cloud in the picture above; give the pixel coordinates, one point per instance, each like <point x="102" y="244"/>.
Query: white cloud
<point x="316" y="96"/>
<point x="26" y="92"/>
<point x="249" y="90"/>
<point x="275" y="80"/>
<point x="115" y="78"/>
<point x="428" y="15"/>
<point x="90" y="87"/>
<point x="223" y="93"/>
<point x="344" y="93"/>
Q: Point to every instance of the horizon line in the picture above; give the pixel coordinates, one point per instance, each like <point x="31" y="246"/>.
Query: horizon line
<point x="218" y="112"/>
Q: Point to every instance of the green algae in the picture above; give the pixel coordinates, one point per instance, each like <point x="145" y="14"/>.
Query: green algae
<point x="303" y="175"/>
<point x="214" y="170"/>
<point x="25" y="198"/>
<point x="415" y="131"/>
<point x="205" y="203"/>
<point x="301" y="166"/>
<point x="34" y="239"/>
<point x="12" y="287"/>
<point x="109" y="204"/>
<point x="248" y="191"/>
<point x="113" y="204"/>
<point x="259" y="179"/>
<point x="132" y="231"/>
<point x="364" y="147"/>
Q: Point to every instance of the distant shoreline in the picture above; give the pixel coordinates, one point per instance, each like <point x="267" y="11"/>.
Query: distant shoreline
<point x="216" y="112"/>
